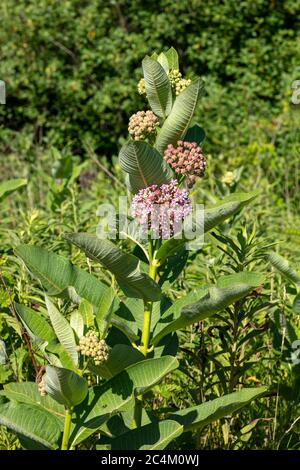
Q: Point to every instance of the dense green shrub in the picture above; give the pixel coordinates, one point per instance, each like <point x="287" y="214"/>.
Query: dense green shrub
<point x="71" y="67"/>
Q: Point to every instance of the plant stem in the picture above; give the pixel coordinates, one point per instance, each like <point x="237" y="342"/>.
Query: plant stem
<point x="153" y="266"/>
<point x="67" y="427"/>
<point x="148" y="313"/>
<point x="137" y="417"/>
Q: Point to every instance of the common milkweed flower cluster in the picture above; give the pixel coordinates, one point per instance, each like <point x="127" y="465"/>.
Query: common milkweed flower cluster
<point x="186" y="159"/>
<point x="162" y="209"/>
<point x="91" y="346"/>
<point x="177" y="82"/>
<point x="143" y="125"/>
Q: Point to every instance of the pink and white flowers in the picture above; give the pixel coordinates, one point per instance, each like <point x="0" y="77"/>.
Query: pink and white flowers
<point x="186" y="159"/>
<point x="162" y="208"/>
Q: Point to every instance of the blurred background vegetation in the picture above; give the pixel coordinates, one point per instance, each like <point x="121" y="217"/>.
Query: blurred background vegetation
<point x="71" y="69"/>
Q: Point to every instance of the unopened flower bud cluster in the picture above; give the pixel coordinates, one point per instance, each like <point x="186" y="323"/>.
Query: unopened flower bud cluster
<point x="142" y="125"/>
<point x="91" y="346"/>
<point x="42" y="389"/>
<point x="186" y="159"/>
<point x="142" y="87"/>
<point x="228" y="178"/>
<point x="177" y="82"/>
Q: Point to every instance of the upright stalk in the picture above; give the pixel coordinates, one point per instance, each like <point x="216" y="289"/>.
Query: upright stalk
<point x="67" y="427"/>
<point x="145" y="339"/>
<point x="153" y="266"/>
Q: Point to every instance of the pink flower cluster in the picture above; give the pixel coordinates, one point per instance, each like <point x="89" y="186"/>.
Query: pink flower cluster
<point x="162" y="208"/>
<point x="186" y="159"/>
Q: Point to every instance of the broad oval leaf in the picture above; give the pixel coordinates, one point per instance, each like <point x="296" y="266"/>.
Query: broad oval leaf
<point x="178" y="121"/>
<point x="32" y="422"/>
<point x="63" y="331"/>
<point x="284" y="268"/>
<point x="118" y="394"/>
<point x="124" y="266"/>
<point x="172" y="57"/>
<point x="195" y="134"/>
<point x="3" y="354"/>
<point x="87" y="312"/>
<point x="27" y="392"/>
<point x="153" y="436"/>
<point x="199" y="416"/>
<point x="163" y="61"/>
<point x="104" y="313"/>
<point x="158" y="87"/>
<point x="144" y="165"/>
<point x="120" y="357"/>
<point x="7" y="187"/>
<point x="296" y="304"/>
<point x="64" y="386"/>
<point x="253" y="279"/>
<point x="212" y="300"/>
<point x="212" y="217"/>
<point x="35" y="324"/>
<point x="77" y="323"/>
<point x="57" y="274"/>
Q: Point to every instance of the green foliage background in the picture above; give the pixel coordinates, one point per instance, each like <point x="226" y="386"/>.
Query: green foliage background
<point x="71" y="67"/>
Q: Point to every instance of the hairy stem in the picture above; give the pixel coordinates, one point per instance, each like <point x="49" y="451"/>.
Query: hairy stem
<point x="67" y="427"/>
<point x="145" y="339"/>
<point x="137" y="417"/>
<point x="148" y="313"/>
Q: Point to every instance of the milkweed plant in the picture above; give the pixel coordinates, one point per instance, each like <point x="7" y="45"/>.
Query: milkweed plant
<point x="101" y="345"/>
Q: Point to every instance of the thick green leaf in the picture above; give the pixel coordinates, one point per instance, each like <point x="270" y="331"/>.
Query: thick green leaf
<point x="104" y="313"/>
<point x="35" y="324"/>
<point x="180" y="117"/>
<point x="77" y="323"/>
<point x="153" y="436"/>
<point x="284" y="268"/>
<point x="227" y="207"/>
<point x="212" y="217"/>
<point x="158" y="87"/>
<point x="124" y="317"/>
<point x="118" y="393"/>
<point x="57" y="274"/>
<point x="124" y="266"/>
<point x="199" y="416"/>
<point x="7" y="187"/>
<point x="296" y="304"/>
<point x="253" y="279"/>
<point x="211" y="301"/>
<point x="63" y="331"/>
<point x="120" y="357"/>
<point x="172" y="57"/>
<point x="87" y="312"/>
<point x="195" y="134"/>
<point x="32" y="422"/>
<point x="3" y="354"/>
<point x="162" y="60"/>
<point x="64" y="386"/>
<point x="27" y="392"/>
<point x="144" y="165"/>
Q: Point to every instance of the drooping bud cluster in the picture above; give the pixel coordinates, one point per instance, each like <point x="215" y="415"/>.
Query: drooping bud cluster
<point x="141" y="87"/>
<point x="186" y="159"/>
<point x="91" y="346"/>
<point x="42" y="389"/>
<point x="142" y="125"/>
<point x="177" y="82"/>
<point x="162" y="208"/>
